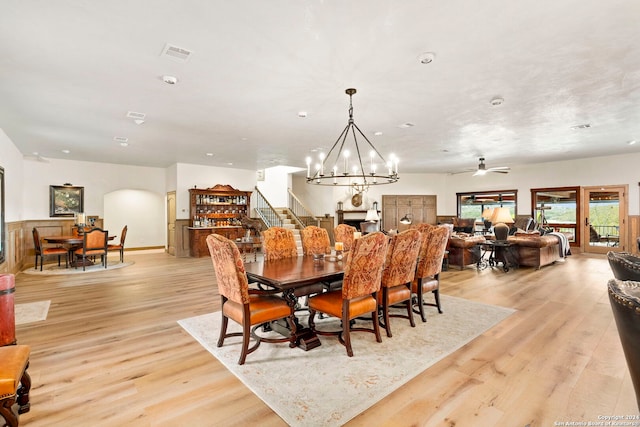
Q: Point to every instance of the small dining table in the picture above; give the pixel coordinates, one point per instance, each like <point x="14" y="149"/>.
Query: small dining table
<point x="289" y="274"/>
<point x="72" y="241"/>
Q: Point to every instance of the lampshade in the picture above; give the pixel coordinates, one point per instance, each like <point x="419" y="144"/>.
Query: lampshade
<point x="372" y="216"/>
<point x="487" y="213"/>
<point x="406" y="219"/>
<point x="501" y="215"/>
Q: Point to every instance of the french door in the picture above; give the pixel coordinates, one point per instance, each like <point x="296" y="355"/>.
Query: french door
<point x="605" y="219"/>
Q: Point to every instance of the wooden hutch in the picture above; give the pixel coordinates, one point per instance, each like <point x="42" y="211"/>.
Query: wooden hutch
<point x="215" y="210"/>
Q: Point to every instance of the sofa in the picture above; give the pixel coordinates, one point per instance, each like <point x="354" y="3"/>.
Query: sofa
<point x="464" y="249"/>
<point x="535" y="250"/>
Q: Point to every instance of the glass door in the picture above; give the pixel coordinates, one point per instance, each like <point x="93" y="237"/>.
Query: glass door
<point x="605" y="218"/>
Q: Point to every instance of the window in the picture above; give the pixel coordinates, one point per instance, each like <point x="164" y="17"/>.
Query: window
<point x="474" y="204"/>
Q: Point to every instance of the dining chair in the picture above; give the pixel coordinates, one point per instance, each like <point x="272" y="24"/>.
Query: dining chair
<point x="344" y="233"/>
<point x="427" y="278"/>
<point x="250" y="308"/>
<point x="278" y="243"/>
<point x="315" y="240"/>
<point x="94" y="243"/>
<point x="360" y="285"/>
<point x="398" y="274"/>
<point x="42" y="252"/>
<point x="119" y="247"/>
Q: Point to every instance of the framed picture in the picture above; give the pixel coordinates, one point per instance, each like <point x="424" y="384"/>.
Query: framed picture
<point x="65" y="200"/>
<point x="2" y="250"/>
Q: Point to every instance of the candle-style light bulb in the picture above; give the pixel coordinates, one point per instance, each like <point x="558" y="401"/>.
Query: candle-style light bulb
<point x="346" y="162"/>
<point x="308" y="159"/>
<point x="321" y="163"/>
<point x="335" y="172"/>
<point x="372" y="154"/>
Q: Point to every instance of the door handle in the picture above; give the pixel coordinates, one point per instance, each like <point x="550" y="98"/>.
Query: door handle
<point x="586" y="221"/>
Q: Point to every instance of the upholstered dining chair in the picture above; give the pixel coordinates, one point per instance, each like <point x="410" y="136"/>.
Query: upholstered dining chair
<point x="278" y="243"/>
<point x="360" y="285"/>
<point x="248" y="307"/>
<point x="344" y="233"/>
<point x="119" y="247"/>
<point x="315" y="240"/>
<point x="398" y="274"/>
<point x="94" y="243"/>
<point x="43" y="252"/>
<point x="427" y="278"/>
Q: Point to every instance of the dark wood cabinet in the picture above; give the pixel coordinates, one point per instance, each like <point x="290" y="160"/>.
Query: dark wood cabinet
<point x="215" y="210"/>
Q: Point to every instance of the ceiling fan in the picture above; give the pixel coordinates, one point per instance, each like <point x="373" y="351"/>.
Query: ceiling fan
<point x="36" y="157"/>
<point x="482" y="168"/>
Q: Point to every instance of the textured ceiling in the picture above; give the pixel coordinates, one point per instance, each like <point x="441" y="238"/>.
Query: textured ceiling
<point x="70" y="71"/>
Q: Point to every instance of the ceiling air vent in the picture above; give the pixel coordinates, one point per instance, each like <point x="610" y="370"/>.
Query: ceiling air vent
<point x="136" y="116"/>
<point x="176" y="53"/>
<point x="406" y="125"/>
<point x="120" y="138"/>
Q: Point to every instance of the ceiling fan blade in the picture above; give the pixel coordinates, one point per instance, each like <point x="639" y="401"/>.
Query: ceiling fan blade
<point x="500" y="168"/>
<point x="499" y="171"/>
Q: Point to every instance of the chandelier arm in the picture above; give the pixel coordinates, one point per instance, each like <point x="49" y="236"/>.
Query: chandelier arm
<point x="342" y="136"/>
<point x="384" y="162"/>
<point x="355" y="142"/>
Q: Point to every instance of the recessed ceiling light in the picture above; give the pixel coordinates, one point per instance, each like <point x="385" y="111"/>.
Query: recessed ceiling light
<point x="497" y="101"/>
<point x="633" y="141"/>
<point x="230" y="164"/>
<point x="302" y="114"/>
<point x="210" y="154"/>
<point x="583" y="126"/>
<point x="426" y="57"/>
<point x="170" y="80"/>
<point x="66" y="151"/>
<point x="124" y="144"/>
<point x="378" y="133"/>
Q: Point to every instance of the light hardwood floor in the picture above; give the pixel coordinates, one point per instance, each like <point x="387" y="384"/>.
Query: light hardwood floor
<point x="111" y="353"/>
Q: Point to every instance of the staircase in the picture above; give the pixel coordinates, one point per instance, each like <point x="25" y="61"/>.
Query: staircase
<point x="288" y="223"/>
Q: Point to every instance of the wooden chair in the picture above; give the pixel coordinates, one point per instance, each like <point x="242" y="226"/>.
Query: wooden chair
<point x="398" y="274"/>
<point x="315" y="240"/>
<point x="247" y="307"/>
<point x="119" y="247"/>
<point x="278" y="243"/>
<point x="427" y="278"/>
<point x="360" y="285"/>
<point x="15" y="383"/>
<point x="344" y="233"/>
<point x="94" y="243"/>
<point x="42" y="252"/>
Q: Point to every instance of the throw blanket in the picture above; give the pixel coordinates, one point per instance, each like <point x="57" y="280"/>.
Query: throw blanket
<point x="564" y="247"/>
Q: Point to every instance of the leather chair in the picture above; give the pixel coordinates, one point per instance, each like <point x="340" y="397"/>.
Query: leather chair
<point x="119" y="247"/>
<point x="360" y="285"/>
<point x="624" y="297"/>
<point x="278" y="243"/>
<point x="42" y="252"/>
<point x="94" y="243"/>
<point x="624" y="265"/>
<point x="315" y="240"/>
<point x="398" y="274"/>
<point x="344" y="233"/>
<point x="464" y="225"/>
<point x="15" y="382"/>
<point x="427" y="278"/>
<point x="248" y="307"/>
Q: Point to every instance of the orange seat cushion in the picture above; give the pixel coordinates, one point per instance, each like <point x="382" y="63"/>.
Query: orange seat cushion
<point x="14" y="362"/>
<point x="331" y="303"/>
<point x="263" y="309"/>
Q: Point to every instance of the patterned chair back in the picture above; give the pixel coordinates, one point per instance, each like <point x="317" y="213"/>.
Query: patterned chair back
<point x="402" y="257"/>
<point x="363" y="269"/>
<point x="434" y="244"/>
<point x="344" y="233"/>
<point x="278" y="243"/>
<point x="229" y="269"/>
<point x="315" y="240"/>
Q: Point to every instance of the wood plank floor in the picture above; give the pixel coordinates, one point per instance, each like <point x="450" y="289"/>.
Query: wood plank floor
<point x="111" y="353"/>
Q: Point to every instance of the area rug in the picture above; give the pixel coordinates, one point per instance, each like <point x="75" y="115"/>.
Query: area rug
<point x="325" y="387"/>
<point x="54" y="269"/>
<point x="31" y="312"/>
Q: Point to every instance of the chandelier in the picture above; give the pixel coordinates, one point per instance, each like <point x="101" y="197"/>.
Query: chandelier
<point x="339" y="168"/>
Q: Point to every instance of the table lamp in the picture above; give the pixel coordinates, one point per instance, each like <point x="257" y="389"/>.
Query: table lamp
<point x="501" y="217"/>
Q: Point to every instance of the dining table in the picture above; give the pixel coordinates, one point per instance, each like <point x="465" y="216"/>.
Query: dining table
<point x="73" y="242"/>
<point x="287" y="275"/>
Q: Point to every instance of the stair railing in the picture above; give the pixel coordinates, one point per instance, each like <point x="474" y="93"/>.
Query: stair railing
<point x="266" y="212"/>
<point x="300" y="213"/>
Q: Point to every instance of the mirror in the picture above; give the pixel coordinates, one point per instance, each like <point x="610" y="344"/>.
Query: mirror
<point x="2" y="213"/>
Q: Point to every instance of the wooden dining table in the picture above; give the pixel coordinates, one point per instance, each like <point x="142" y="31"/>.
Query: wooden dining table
<point x="72" y="241"/>
<point x="289" y="274"/>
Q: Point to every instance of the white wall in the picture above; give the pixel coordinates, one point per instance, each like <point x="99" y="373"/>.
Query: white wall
<point x="11" y="161"/>
<point x="143" y="212"/>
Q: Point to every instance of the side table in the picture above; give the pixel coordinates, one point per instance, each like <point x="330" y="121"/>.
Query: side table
<point x="496" y="252"/>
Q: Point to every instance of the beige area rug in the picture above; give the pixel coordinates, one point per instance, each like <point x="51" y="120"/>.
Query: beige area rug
<point x="324" y="386"/>
<point x="54" y="269"/>
<point x="31" y="312"/>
